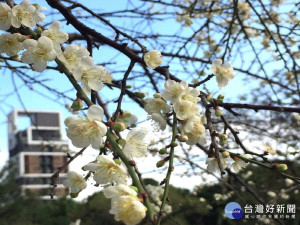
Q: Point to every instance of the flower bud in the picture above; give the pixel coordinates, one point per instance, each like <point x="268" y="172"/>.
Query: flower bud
<point x="118" y="126"/>
<point x="195" y="81"/>
<point x="218" y="112"/>
<point x="118" y="161"/>
<point x="127" y="114"/>
<point x="162" y="151"/>
<point x="280" y="167"/>
<point x="157" y="95"/>
<point x="15" y="57"/>
<point x="174" y="144"/>
<point x="220" y="99"/>
<point x="21" y="38"/>
<point x="209" y="98"/>
<point x="38" y="30"/>
<point x="140" y="94"/>
<point x="183" y="138"/>
<point x="225" y="154"/>
<point x="223" y="136"/>
<point x="77" y="105"/>
<point x="122" y="142"/>
<point x="160" y="163"/>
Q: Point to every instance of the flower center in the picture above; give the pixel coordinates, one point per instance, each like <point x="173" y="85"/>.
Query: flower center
<point x="3" y="14"/>
<point x="41" y="52"/>
<point x="88" y="129"/>
<point x="10" y="42"/>
<point x="222" y="71"/>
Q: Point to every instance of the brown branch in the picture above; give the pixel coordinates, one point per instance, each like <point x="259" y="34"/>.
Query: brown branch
<point x="256" y="108"/>
<point x="55" y="177"/>
<point x="123" y="88"/>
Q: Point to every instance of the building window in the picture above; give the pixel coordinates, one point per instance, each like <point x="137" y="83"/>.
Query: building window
<point x="46" y="135"/>
<point x="46" y="163"/>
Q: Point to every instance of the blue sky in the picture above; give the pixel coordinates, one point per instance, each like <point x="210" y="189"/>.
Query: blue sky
<point x="44" y="100"/>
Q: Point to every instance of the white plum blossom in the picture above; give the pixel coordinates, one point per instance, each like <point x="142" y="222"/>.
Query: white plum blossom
<point x="26" y="15"/>
<point x="10" y="44"/>
<point x="77" y="222"/>
<point x="224" y="72"/>
<point x="117" y="191"/>
<point x="289" y="182"/>
<point x="39" y="17"/>
<point x="189" y="94"/>
<point x="186" y="19"/>
<point x="185" y="109"/>
<point x="156" y="105"/>
<point x="107" y="171"/>
<point x="296" y="118"/>
<point x="128" y="209"/>
<point x="173" y="90"/>
<point x="75" y="181"/>
<point x="160" y="120"/>
<point x="72" y="56"/>
<point x="5" y="16"/>
<point x="89" y="75"/>
<point x="269" y="149"/>
<point x="212" y="163"/>
<point x="91" y="130"/>
<point x="126" y="206"/>
<point x="153" y="59"/>
<point x="135" y="145"/>
<point x="271" y="194"/>
<point x="195" y="131"/>
<point x="56" y="35"/>
<point x="38" y="53"/>
<point x="239" y="163"/>
<point x="277" y="2"/>
<point x="106" y="77"/>
<point x="244" y="10"/>
<point x="183" y="98"/>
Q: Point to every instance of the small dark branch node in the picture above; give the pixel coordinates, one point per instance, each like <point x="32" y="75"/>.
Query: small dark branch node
<point x="162" y="182"/>
<point x="132" y="163"/>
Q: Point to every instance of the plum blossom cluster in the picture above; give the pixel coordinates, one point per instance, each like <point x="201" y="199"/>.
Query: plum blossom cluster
<point x="47" y="47"/>
<point x="184" y="100"/>
<point x="23" y="14"/>
<point x="78" y="60"/>
<point x="107" y="171"/>
<point x="126" y="206"/>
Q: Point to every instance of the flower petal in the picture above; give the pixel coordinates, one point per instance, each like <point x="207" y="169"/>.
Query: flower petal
<point x="95" y="112"/>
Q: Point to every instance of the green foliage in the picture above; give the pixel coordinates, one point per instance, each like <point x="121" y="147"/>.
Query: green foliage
<point x="18" y="209"/>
